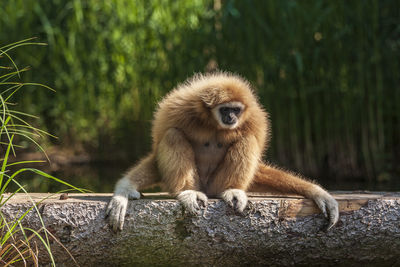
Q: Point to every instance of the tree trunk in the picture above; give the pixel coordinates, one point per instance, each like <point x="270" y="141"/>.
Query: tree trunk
<point x="272" y="231"/>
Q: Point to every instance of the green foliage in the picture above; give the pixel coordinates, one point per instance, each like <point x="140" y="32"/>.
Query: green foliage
<point x="326" y="71"/>
<point x="110" y="61"/>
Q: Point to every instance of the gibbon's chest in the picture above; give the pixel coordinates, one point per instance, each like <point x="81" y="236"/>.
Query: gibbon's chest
<point x="208" y="155"/>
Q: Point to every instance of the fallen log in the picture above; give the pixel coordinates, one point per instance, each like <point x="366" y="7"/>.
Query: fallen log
<point x="273" y="230"/>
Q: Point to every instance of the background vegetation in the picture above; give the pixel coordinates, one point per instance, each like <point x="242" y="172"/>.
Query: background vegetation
<point x="327" y="72"/>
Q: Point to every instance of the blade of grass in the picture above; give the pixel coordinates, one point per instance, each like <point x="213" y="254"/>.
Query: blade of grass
<point x="8" y="198"/>
<point x="10" y="231"/>
<point x="43" y="174"/>
<point x="23" y="84"/>
<point x="25" y="162"/>
<point x="4" y="51"/>
<point x="22" y="113"/>
<point x="28" y="248"/>
<point x="3" y="166"/>
<point x="9" y="89"/>
<point x="36" y="143"/>
<point x="17" y="87"/>
<point x="12" y="74"/>
<point x="35" y="129"/>
<point x="13" y="260"/>
<point x="58" y="242"/>
<point x="12" y="61"/>
<point x="5" y="144"/>
<point x="18" y="42"/>
<point x="46" y="244"/>
<point x="4" y="120"/>
<point x="17" y="132"/>
<point x="4" y="127"/>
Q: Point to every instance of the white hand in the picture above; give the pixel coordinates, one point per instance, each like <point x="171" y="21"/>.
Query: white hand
<point x="236" y="198"/>
<point x="116" y="209"/>
<point x="190" y="198"/>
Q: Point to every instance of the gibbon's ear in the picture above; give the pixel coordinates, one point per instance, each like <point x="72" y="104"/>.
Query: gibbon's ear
<point x="213" y="96"/>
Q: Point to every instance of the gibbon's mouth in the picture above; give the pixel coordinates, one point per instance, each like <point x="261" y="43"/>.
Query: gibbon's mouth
<point x="228" y="120"/>
<point x="232" y="124"/>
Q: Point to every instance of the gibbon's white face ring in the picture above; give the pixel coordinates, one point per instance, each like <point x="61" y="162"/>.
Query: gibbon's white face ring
<point x="218" y="117"/>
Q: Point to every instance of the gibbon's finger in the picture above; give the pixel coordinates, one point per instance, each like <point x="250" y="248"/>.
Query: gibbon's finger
<point x="118" y="219"/>
<point x="241" y="200"/>
<point x="189" y="200"/>
<point x="333" y="210"/>
<point x="115" y="218"/>
<point x="110" y="207"/>
<point x="201" y="203"/>
<point x="227" y="196"/>
<point x="191" y="206"/>
<point x="114" y="214"/>
<point x="235" y="194"/>
<point x="241" y="204"/>
<point x="202" y="198"/>
<point x="108" y="210"/>
<point x="329" y="207"/>
<point x="321" y="205"/>
<point x="121" y="217"/>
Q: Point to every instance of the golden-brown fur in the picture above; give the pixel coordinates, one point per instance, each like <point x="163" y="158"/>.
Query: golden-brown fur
<point x="187" y="110"/>
<point x="193" y="153"/>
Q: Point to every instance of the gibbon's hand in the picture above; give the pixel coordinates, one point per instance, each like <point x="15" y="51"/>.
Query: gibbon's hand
<point x="235" y="198"/>
<point x="190" y="199"/>
<point x="116" y="209"/>
<point x="328" y="205"/>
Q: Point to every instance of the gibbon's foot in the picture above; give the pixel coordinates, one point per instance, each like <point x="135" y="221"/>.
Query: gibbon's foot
<point x="328" y="205"/>
<point x="235" y="198"/>
<point x="190" y="200"/>
<point x="116" y="209"/>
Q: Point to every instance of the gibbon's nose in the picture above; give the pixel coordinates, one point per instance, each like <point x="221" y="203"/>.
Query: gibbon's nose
<point x="229" y="119"/>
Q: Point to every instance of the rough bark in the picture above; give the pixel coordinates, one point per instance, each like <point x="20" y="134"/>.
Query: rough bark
<point x="272" y="231"/>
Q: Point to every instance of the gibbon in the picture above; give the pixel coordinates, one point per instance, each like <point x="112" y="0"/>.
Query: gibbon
<point x="209" y="135"/>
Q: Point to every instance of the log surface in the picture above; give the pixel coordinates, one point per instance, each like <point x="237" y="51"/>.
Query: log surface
<point x="272" y="231"/>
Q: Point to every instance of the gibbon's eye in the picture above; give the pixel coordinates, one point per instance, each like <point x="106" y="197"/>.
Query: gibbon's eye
<point x="236" y="110"/>
<point x="224" y="110"/>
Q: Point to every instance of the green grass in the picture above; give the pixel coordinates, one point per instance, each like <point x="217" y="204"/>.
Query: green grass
<point x="18" y="243"/>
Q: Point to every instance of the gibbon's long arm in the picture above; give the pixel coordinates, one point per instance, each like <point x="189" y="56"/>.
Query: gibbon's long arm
<point x="236" y="172"/>
<point x="269" y="179"/>
<point x="176" y="163"/>
<point x="141" y="175"/>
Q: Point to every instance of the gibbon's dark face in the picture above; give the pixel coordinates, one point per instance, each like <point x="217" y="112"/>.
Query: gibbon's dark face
<point x="228" y="114"/>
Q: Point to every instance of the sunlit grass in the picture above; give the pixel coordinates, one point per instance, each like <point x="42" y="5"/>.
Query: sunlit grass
<point x="18" y="243"/>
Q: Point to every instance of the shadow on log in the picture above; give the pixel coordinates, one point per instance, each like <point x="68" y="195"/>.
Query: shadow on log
<point x="272" y="231"/>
